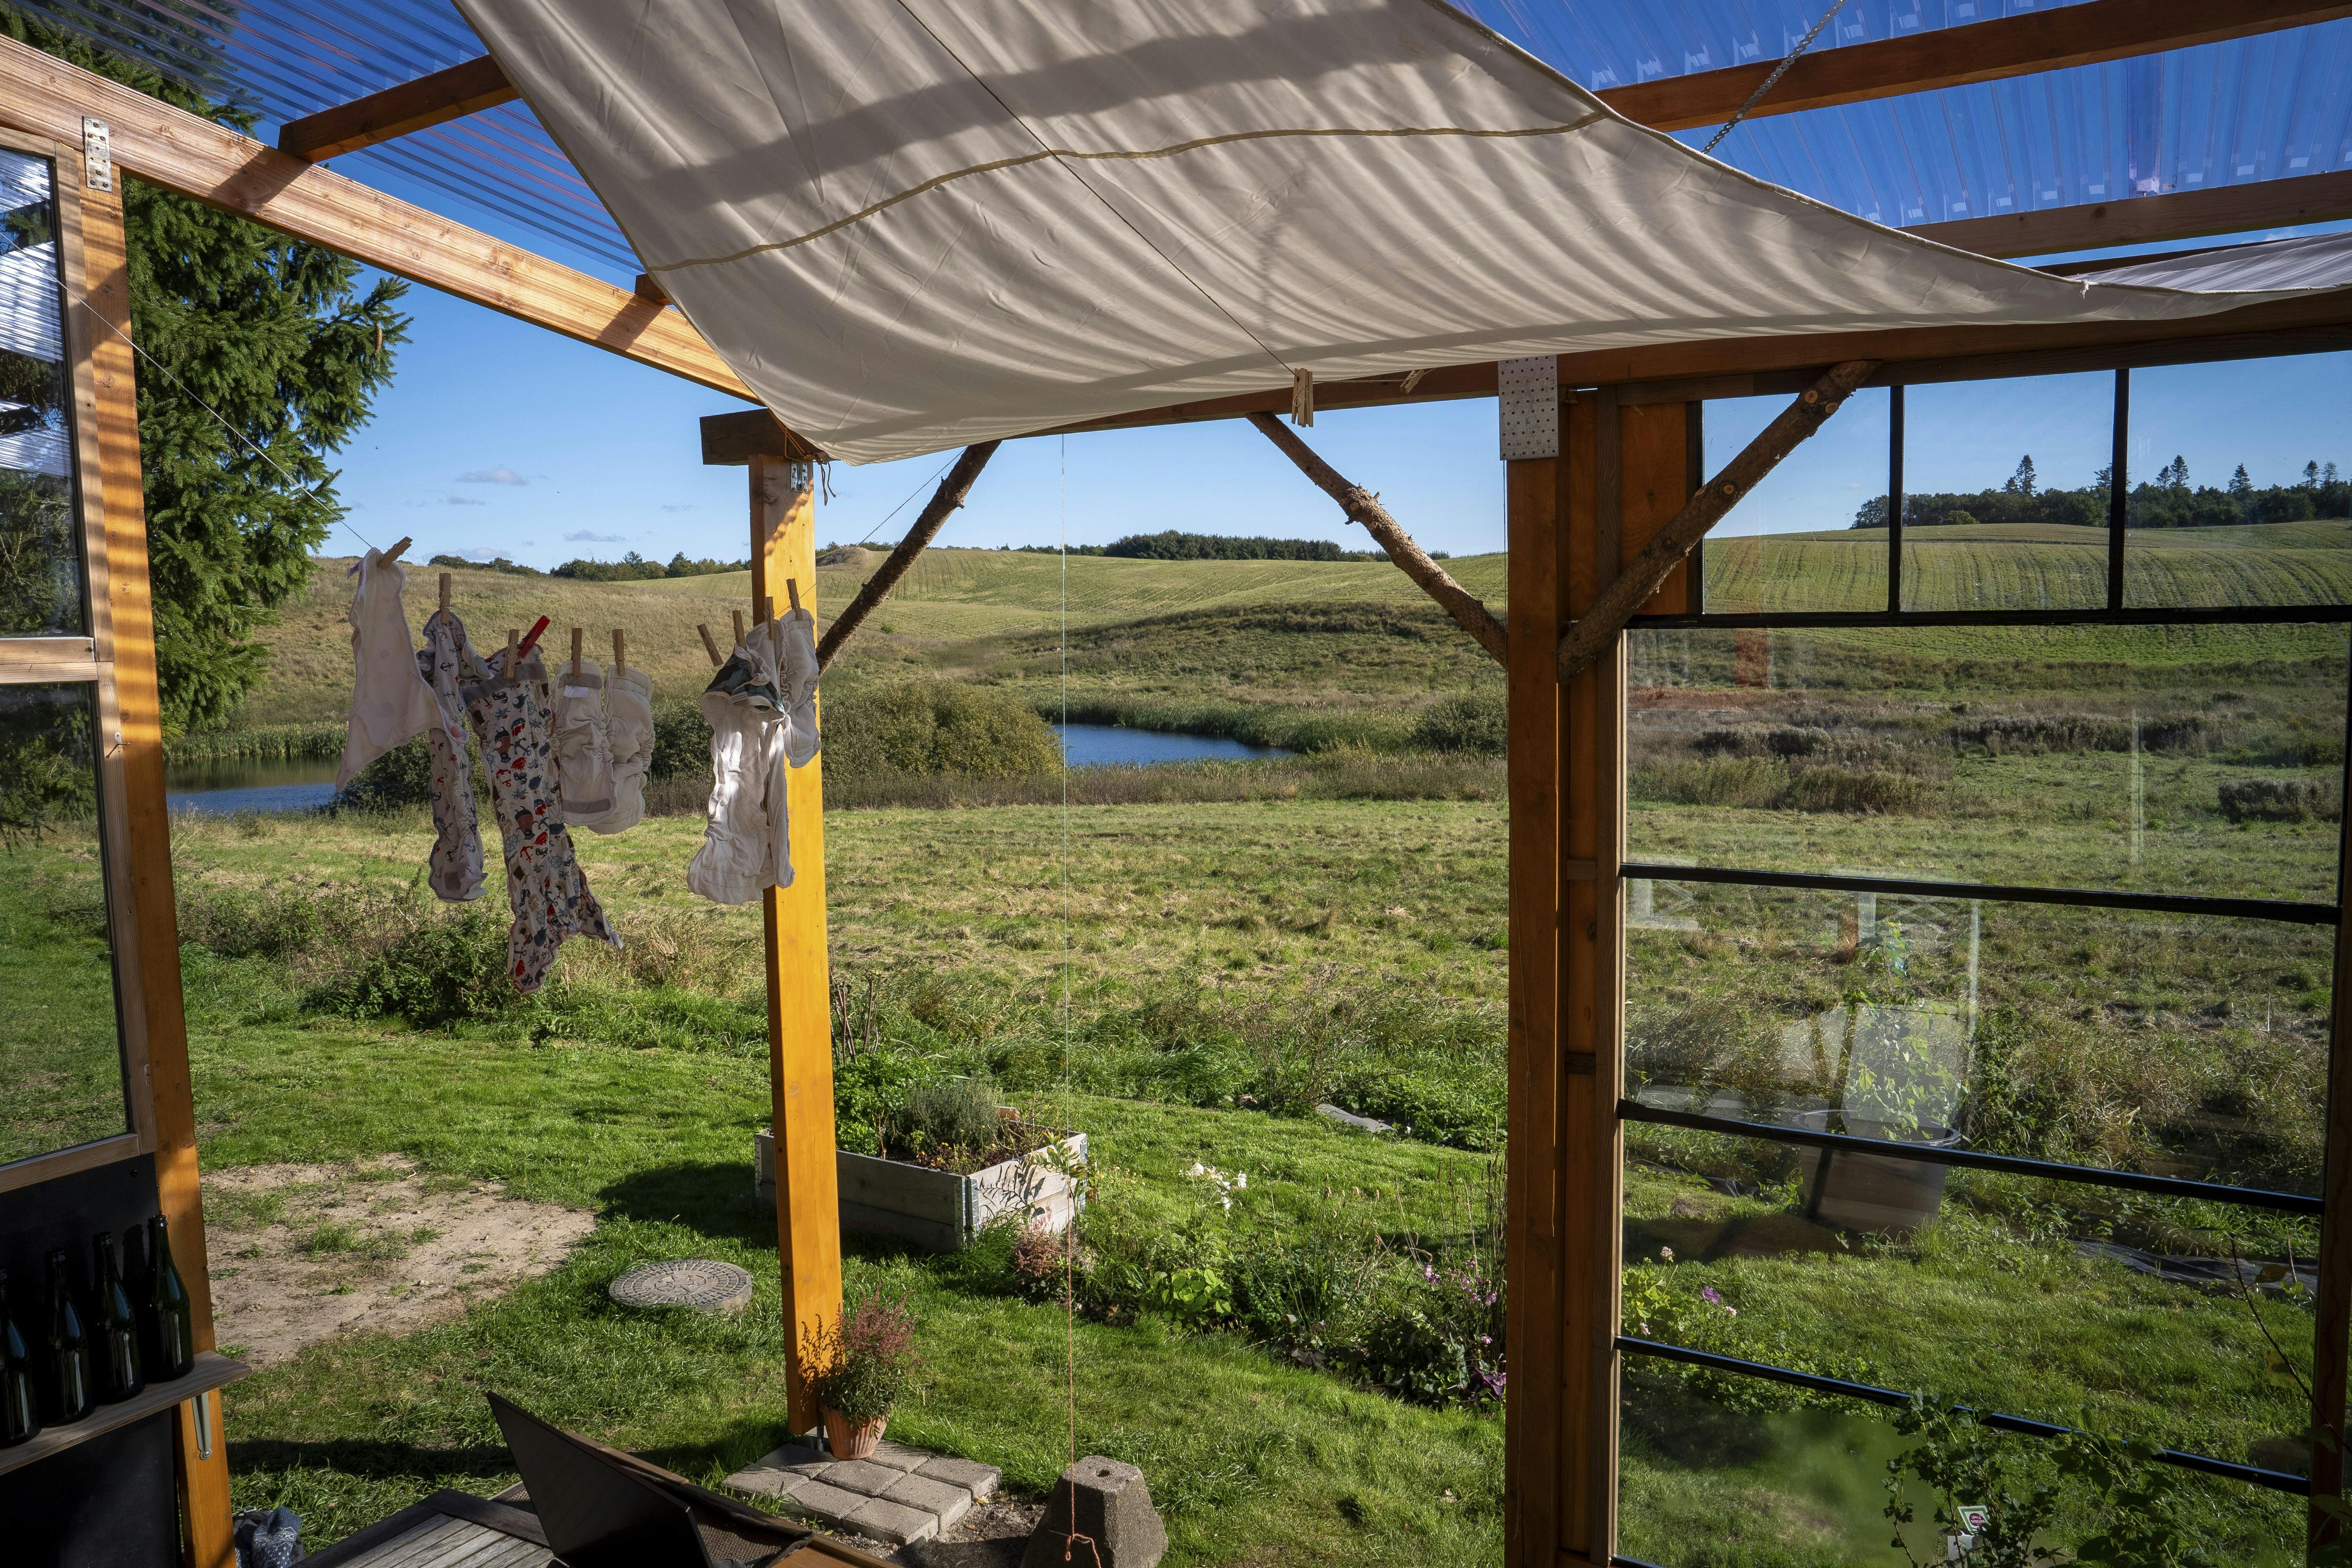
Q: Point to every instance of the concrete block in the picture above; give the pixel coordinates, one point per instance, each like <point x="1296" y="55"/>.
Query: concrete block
<point x="980" y="1480"/>
<point x="778" y="1484"/>
<point x="898" y="1456"/>
<point x="946" y="1503"/>
<point x="1107" y="1502"/>
<point x="893" y="1522"/>
<point x="862" y="1476"/>
<point x="829" y="1504"/>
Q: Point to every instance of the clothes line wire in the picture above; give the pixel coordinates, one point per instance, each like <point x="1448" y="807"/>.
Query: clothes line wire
<point x="342" y="516"/>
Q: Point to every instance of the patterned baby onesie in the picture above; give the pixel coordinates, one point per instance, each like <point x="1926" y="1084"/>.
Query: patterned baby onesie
<point x="447" y="664"/>
<point x="514" y="719"/>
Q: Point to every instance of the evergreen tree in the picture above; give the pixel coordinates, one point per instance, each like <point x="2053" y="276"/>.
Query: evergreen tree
<point x="2022" y="482"/>
<point x="277" y="338"/>
<point x="2239" y="485"/>
<point x="2311" y="475"/>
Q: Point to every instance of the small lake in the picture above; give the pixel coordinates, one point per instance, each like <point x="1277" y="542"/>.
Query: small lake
<point x="301" y="784"/>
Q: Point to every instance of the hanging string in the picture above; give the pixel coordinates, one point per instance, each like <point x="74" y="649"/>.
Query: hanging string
<point x="911" y="494"/>
<point x="1778" y="72"/>
<point x="300" y="487"/>
<point x="1070" y="1239"/>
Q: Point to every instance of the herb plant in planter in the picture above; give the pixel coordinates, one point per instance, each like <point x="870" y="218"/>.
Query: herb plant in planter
<point x="857" y="1368"/>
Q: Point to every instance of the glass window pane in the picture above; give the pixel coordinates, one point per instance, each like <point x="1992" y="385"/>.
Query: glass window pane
<point x="2173" y="1044"/>
<point x="40" y="560"/>
<point x="2202" y="760"/>
<point x="2043" y="1299"/>
<point x="1812" y="535"/>
<point x="2005" y="502"/>
<point x="60" y="1050"/>
<point x="2239" y="493"/>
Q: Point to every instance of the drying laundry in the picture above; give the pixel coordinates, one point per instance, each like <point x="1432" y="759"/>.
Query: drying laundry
<point x="629" y="725"/>
<point x="391" y="703"/>
<point x="513" y="717"/>
<point x="448" y="665"/>
<point x="761" y="706"/>
<point x="603" y="745"/>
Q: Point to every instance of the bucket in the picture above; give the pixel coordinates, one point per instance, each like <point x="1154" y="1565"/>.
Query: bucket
<point x="1873" y="1191"/>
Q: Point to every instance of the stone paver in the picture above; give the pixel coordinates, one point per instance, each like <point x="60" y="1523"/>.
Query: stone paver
<point x="899" y="1494"/>
<point x="892" y="1522"/>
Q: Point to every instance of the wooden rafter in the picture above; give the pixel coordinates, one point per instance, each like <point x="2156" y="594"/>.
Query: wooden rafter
<point x="1952" y="56"/>
<point x="181" y="152"/>
<point x="2141" y="220"/>
<point x="450" y="94"/>
<point x="944" y="503"/>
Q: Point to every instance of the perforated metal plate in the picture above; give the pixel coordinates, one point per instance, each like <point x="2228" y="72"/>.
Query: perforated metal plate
<point x="701" y="1283"/>
<point x="1529" y="401"/>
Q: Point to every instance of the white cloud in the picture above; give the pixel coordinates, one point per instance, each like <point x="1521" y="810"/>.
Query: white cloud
<point x="497" y="476"/>
<point x="687" y="507"/>
<point x="480" y="554"/>
<point x="449" y="501"/>
<point x="584" y="537"/>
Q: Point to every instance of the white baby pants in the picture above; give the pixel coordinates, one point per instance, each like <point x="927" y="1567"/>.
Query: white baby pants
<point x="448" y="665"/>
<point x="583" y="751"/>
<point x="390" y="701"/>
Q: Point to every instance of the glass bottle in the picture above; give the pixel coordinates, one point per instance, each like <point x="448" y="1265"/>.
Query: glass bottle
<point x="171" y="1310"/>
<point x="114" y="1329"/>
<point x="20" y="1382"/>
<point x="64" y="1352"/>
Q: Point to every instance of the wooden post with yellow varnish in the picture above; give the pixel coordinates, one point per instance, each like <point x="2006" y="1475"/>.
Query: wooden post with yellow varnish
<point x="800" y="1020"/>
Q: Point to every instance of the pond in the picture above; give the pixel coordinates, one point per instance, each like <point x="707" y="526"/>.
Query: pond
<point x="299" y="784"/>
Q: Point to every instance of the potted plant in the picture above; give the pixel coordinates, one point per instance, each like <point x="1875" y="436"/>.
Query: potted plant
<point x="857" y="1368"/>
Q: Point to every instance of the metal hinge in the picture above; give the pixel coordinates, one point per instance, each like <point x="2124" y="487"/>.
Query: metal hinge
<point x="97" y="155"/>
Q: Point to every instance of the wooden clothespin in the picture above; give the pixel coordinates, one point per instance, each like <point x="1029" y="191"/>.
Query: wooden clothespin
<point x="620" y="651"/>
<point x="445" y="592"/>
<point x="739" y="628"/>
<point x="793" y="592"/>
<point x="514" y="657"/>
<point x="575" y="650"/>
<point x="710" y="646"/>
<point x="392" y="555"/>
<point x="768" y="606"/>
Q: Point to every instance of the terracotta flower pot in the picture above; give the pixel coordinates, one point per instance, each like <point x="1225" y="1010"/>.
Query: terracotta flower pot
<point x="851" y="1438"/>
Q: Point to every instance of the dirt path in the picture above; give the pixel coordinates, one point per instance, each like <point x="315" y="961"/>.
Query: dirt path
<point x="302" y="1253"/>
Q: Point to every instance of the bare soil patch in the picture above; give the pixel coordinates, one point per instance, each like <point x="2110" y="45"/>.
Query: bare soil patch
<point x="302" y="1253"/>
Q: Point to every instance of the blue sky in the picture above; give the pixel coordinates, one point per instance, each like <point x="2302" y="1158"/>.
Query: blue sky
<point x="502" y="438"/>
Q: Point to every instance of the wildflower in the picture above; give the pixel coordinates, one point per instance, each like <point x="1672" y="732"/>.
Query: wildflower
<point x="1667" y="1253"/>
<point x="1198" y="1169"/>
<point x="1706" y="1293"/>
<point x="1733" y="1310"/>
<point x="1241" y="1178"/>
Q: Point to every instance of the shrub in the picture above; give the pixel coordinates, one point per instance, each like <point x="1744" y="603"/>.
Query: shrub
<point x="402" y="776"/>
<point x="437" y="973"/>
<point x="1473" y="721"/>
<point x="862" y="1365"/>
<point x="2280" y="800"/>
<point x="927" y="727"/>
<point x="248" y="925"/>
<point x="1047" y="1262"/>
<point x="681" y="742"/>
<point x="938" y="1117"/>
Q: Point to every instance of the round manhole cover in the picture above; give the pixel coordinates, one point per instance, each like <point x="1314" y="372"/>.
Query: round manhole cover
<point x="701" y="1283"/>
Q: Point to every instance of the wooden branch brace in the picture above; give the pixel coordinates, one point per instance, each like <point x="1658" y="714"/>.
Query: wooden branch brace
<point x="1363" y="506"/>
<point x="943" y="503"/>
<point x="1584" y="642"/>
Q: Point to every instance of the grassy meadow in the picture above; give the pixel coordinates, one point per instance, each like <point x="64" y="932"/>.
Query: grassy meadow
<point x="1189" y="959"/>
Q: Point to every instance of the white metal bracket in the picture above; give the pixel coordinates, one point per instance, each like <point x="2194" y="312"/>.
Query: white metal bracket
<point x="97" y="155"/>
<point x="1527" y="398"/>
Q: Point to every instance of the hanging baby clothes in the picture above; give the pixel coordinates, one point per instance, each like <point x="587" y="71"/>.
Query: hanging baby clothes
<point x="390" y="701"/>
<point x="448" y="666"/>
<point x="762" y="706"/>
<point x="629" y="725"/>
<point x="513" y="718"/>
<point x="583" y="751"/>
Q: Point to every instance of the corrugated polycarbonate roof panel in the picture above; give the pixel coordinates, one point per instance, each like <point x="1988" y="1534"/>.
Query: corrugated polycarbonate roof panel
<point x="287" y="58"/>
<point x="2263" y="108"/>
<point x="2269" y="106"/>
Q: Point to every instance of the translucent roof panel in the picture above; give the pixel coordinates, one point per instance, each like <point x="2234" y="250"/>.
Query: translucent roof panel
<point x="285" y="58"/>
<point x="2273" y="106"/>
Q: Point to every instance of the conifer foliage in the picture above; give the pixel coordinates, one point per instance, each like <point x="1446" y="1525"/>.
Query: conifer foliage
<point x="280" y="340"/>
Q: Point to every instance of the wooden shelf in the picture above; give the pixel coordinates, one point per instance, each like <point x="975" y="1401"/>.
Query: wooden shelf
<point x="211" y="1372"/>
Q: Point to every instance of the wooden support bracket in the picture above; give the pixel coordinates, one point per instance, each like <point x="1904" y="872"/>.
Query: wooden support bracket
<point x="1363" y="506"/>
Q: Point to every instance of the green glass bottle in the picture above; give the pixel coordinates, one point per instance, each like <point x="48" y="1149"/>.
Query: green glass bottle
<point x="114" y="1329"/>
<point x="171" y="1310"/>
<point x="64" y="1352"/>
<point x="20" y="1382"/>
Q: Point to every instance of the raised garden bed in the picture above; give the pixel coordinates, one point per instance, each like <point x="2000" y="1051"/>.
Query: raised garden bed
<point x="943" y="1210"/>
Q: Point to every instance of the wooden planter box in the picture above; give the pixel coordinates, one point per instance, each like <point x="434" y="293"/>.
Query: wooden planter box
<point x="939" y="1210"/>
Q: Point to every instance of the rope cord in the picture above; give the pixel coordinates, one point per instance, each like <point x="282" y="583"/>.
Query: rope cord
<point x="133" y="343"/>
<point x="911" y="494"/>
<point x="1778" y="72"/>
<point x="1069" y="1248"/>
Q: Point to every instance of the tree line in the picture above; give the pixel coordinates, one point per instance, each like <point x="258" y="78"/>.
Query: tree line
<point x="1172" y="544"/>
<point x="2170" y="499"/>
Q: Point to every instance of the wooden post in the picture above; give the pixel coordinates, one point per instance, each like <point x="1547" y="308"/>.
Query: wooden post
<point x="201" y="1452"/>
<point x="1572" y="518"/>
<point x="800" y="1020"/>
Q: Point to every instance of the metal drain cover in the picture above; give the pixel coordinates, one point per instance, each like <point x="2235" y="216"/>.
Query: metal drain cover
<point x="702" y="1284"/>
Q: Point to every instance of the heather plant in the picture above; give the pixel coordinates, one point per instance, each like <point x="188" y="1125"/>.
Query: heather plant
<point x="862" y="1364"/>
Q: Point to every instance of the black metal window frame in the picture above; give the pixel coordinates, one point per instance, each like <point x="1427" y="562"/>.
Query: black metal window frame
<point x="2115" y="613"/>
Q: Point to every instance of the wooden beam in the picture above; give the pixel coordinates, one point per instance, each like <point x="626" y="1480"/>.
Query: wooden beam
<point x="799" y="1009"/>
<point x="2331" y="1341"/>
<point x="129" y="614"/>
<point x="944" y="503"/>
<point x="444" y="95"/>
<point x="1953" y="57"/>
<point x="649" y="288"/>
<point x="180" y="151"/>
<point x="730" y="440"/>
<point x="2145" y="220"/>
<point x="1363" y="507"/>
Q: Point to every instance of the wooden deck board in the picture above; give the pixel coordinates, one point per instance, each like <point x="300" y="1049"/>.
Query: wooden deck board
<point x="444" y="1543"/>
